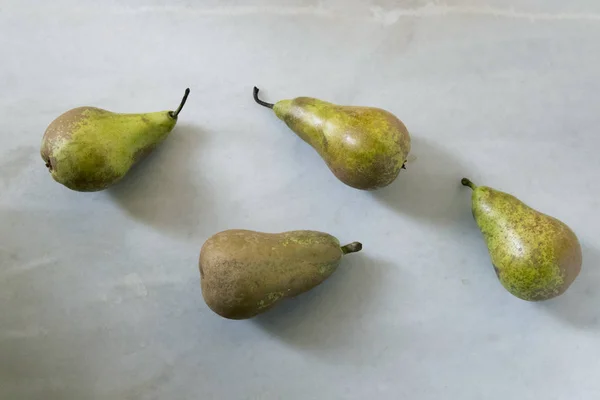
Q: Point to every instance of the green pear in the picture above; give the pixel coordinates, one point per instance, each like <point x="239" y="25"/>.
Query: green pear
<point x="244" y="273"/>
<point x="364" y="147"/>
<point x="88" y="149"/>
<point x="536" y="257"/>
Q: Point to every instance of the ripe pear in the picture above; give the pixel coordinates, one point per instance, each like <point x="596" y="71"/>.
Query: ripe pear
<point x="364" y="147"/>
<point x="88" y="149"/>
<point x="244" y="273"/>
<point x="535" y="256"/>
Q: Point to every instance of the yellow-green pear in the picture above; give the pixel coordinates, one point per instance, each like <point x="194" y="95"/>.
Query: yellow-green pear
<point x="535" y="256"/>
<point x="364" y="147"/>
<point x="88" y="149"/>
<point x="244" y="273"/>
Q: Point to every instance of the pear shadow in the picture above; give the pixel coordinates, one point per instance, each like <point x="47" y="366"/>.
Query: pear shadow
<point x="579" y="304"/>
<point x="163" y="190"/>
<point x="328" y="320"/>
<point x="430" y="186"/>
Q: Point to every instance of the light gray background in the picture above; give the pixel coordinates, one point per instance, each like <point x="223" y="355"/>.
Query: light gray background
<point x="99" y="292"/>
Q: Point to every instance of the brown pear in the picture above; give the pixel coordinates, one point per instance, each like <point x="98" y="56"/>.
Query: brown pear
<point x="244" y="273"/>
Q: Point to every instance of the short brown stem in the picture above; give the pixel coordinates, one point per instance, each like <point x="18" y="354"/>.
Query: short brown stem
<point x="352" y="248"/>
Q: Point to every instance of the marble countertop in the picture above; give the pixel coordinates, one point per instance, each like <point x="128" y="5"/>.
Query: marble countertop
<point x="99" y="292"/>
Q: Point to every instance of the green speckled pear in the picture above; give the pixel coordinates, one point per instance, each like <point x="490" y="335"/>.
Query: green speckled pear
<point x="88" y="149"/>
<point x="244" y="273"/>
<point x="364" y="147"/>
<point x="536" y="257"/>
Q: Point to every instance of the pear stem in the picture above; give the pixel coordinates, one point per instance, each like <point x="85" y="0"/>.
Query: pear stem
<point x="175" y="114"/>
<point x="352" y="248"/>
<point x="467" y="182"/>
<point x="259" y="101"/>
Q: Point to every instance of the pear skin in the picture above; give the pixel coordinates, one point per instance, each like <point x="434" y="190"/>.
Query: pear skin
<point x="88" y="149"/>
<point x="536" y="257"/>
<point x="364" y="147"/>
<point x="244" y="273"/>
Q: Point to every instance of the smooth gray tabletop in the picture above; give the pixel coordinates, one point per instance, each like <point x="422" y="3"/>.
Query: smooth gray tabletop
<point x="100" y="294"/>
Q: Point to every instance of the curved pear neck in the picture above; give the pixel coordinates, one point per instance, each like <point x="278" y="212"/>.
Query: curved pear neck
<point x="283" y="108"/>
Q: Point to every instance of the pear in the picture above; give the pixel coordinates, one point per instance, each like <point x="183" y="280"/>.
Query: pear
<point x="364" y="147"/>
<point x="535" y="256"/>
<point x="244" y="273"/>
<point x="88" y="149"/>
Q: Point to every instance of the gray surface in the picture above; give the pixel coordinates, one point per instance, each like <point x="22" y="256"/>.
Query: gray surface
<point x="99" y="293"/>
